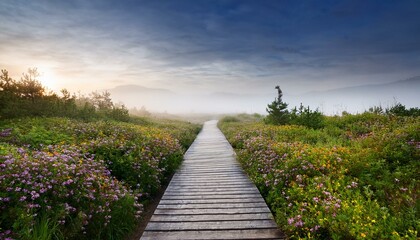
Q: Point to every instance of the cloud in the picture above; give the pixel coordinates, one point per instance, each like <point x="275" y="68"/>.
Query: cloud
<point x="214" y="45"/>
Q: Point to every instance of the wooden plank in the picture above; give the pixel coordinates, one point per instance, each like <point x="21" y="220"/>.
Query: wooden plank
<point x="215" y="225"/>
<point x="210" y="205"/>
<point x="210" y="189"/>
<point x="214" y="173"/>
<point x="208" y="235"/>
<point x="225" y="196"/>
<point x="219" y="211"/>
<point x="200" y="168"/>
<point x="207" y="184"/>
<point x="203" y="217"/>
<point x="220" y="181"/>
<point x="197" y="201"/>
<point x="209" y="179"/>
<point x="205" y="177"/>
<point x="206" y="193"/>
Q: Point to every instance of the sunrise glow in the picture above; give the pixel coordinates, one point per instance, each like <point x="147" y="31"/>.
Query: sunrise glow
<point x="48" y="79"/>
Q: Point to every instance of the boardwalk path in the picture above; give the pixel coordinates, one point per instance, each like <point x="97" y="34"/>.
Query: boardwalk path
<point x="210" y="197"/>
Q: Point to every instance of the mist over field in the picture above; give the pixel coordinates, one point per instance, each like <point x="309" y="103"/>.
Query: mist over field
<point x="330" y="102"/>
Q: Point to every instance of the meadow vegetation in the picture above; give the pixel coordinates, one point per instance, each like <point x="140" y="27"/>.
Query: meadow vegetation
<point x="350" y="177"/>
<point x="71" y="171"/>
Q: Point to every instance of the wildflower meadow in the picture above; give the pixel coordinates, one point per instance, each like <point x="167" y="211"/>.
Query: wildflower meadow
<point x="355" y="178"/>
<point x="69" y="179"/>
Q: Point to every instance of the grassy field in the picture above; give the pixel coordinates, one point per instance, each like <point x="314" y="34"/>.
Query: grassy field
<point x="355" y="178"/>
<point x="71" y="179"/>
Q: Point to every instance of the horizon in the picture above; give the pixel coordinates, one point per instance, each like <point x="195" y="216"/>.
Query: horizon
<point x="222" y="49"/>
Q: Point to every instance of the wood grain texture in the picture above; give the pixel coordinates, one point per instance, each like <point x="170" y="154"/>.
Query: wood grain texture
<point x="210" y="197"/>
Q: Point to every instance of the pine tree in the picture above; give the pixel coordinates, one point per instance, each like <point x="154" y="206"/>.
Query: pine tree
<point x="277" y="110"/>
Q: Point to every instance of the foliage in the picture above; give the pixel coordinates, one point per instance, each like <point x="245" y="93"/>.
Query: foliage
<point x="277" y="110"/>
<point x="306" y="117"/>
<point x="27" y="97"/>
<point x="243" y="117"/>
<point x="278" y="114"/>
<point x="61" y="184"/>
<point x="89" y="177"/>
<point x="355" y="178"/>
<point x="400" y="110"/>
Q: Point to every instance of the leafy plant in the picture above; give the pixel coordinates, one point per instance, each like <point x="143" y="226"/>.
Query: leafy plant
<point x="277" y="110"/>
<point x="306" y="117"/>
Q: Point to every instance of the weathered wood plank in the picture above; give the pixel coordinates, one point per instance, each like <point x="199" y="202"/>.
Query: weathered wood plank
<point x="210" y="205"/>
<point x="220" y="211"/>
<point x="209" y="179"/>
<point x="204" y="190"/>
<point x="213" y="173"/>
<point x="209" y="184"/>
<point x="210" y="187"/>
<point x="220" y="181"/>
<point x="227" y="196"/>
<point x="214" y="225"/>
<point x="203" y="217"/>
<point x="221" y="234"/>
<point x="204" y="201"/>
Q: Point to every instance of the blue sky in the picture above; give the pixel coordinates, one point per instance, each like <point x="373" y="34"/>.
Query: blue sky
<point x="212" y="46"/>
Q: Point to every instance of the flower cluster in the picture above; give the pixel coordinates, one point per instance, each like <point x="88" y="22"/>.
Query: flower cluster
<point x="336" y="182"/>
<point x="60" y="182"/>
<point x="88" y="177"/>
<point x="6" y="132"/>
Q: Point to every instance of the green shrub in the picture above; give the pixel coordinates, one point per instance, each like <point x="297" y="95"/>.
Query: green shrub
<point x="306" y="117"/>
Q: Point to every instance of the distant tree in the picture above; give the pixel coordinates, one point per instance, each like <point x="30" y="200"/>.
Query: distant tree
<point x="102" y="101"/>
<point x="143" y="112"/>
<point x="67" y="104"/>
<point x="7" y="93"/>
<point x="277" y="110"/>
<point x="29" y="87"/>
<point x="119" y="114"/>
<point x="66" y="94"/>
<point x="306" y="117"/>
<point x="7" y="84"/>
<point x="400" y="110"/>
<point x="376" y="110"/>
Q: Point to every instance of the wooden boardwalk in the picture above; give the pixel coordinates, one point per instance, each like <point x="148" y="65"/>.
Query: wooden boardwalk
<point x="210" y="197"/>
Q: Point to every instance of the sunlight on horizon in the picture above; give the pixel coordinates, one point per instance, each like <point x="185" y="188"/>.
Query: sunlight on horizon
<point x="48" y="79"/>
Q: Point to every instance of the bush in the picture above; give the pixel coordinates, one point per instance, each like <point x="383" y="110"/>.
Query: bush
<point x="400" y="110"/>
<point x="306" y="117"/>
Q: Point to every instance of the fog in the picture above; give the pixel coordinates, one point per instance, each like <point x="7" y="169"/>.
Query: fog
<point x="353" y="99"/>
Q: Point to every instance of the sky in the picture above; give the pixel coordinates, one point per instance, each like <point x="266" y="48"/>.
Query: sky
<point x="212" y="48"/>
